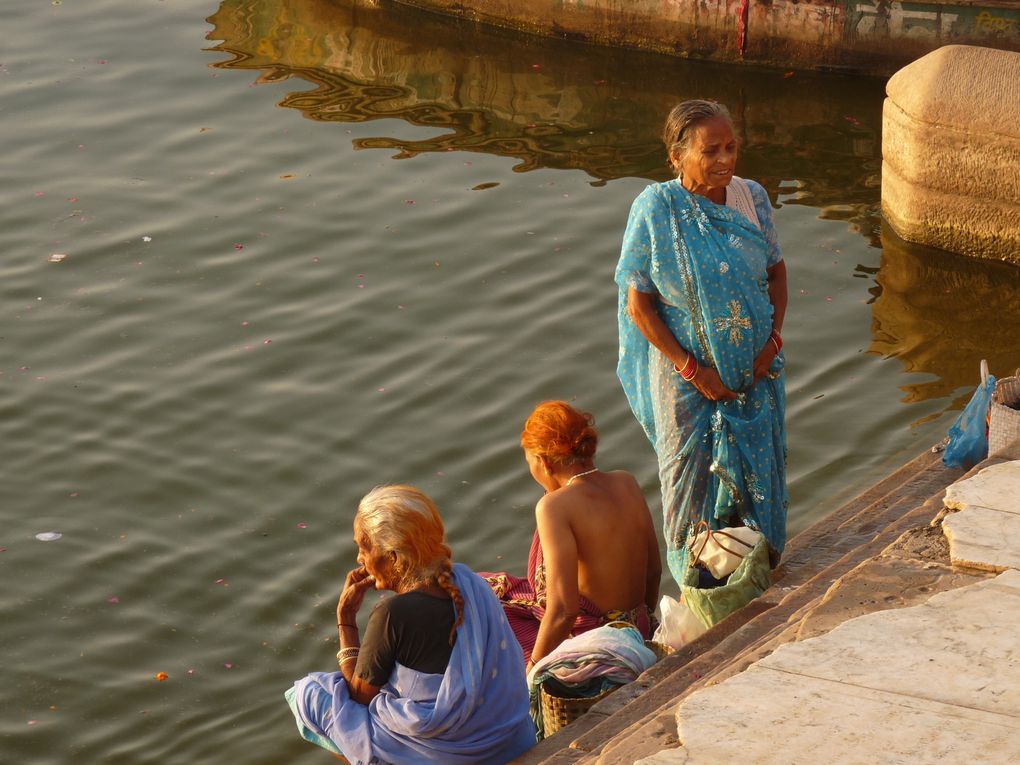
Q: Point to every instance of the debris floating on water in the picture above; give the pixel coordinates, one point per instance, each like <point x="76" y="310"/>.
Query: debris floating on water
<point x="48" y="536"/>
<point x="57" y="257"/>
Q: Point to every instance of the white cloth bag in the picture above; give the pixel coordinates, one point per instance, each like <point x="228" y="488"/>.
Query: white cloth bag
<point x="720" y="551"/>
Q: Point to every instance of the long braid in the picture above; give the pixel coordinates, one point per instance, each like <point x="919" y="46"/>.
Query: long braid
<point x="444" y="578"/>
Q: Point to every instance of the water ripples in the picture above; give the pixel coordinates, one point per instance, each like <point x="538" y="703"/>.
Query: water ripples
<point x="198" y="413"/>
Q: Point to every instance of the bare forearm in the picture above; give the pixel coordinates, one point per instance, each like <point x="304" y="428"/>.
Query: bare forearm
<point x="641" y="307"/>
<point x="350" y="644"/>
<point x="652" y="587"/>
<point x="555" y="628"/>
<point x="350" y="640"/>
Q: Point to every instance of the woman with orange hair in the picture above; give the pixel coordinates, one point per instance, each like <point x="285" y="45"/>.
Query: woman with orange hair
<point x="436" y="678"/>
<point x="594" y="557"/>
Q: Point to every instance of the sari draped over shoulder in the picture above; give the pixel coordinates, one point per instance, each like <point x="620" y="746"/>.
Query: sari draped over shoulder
<point x="475" y="712"/>
<point x="524" y="602"/>
<point x="722" y="462"/>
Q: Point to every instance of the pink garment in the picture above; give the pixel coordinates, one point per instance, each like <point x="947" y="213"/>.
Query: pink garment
<point x="524" y="604"/>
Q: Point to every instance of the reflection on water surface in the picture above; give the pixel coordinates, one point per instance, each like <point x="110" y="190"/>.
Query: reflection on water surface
<point x="810" y="140"/>
<point x="198" y="421"/>
<point x="547" y="103"/>
<point x="940" y="313"/>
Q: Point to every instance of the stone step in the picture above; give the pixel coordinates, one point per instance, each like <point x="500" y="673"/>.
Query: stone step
<point x="638" y="719"/>
<point x="933" y="680"/>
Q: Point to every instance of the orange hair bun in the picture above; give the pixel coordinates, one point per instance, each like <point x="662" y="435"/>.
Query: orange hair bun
<point x="561" y="433"/>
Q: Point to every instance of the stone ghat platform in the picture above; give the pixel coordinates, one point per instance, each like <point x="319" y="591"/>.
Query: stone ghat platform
<point x="889" y="635"/>
<point x="869" y="36"/>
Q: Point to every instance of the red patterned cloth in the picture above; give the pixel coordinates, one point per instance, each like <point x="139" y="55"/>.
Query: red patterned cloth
<point x="523" y="602"/>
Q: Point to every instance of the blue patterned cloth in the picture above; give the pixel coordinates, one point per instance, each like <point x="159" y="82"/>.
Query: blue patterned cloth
<point x="476" y="712"/>
<point x="722" y="462"/>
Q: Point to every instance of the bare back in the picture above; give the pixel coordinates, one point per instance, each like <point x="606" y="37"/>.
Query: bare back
<point x="612" y="537"/>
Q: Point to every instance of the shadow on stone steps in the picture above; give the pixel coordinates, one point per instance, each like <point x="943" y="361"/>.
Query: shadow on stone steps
<point x="638" y="720"/>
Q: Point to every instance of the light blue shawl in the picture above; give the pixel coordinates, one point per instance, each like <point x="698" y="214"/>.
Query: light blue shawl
<point x="720" y="462"/>
<point x="476" y="712"/>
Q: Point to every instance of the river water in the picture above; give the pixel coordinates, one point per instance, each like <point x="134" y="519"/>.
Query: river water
<point x="313" y="246"/>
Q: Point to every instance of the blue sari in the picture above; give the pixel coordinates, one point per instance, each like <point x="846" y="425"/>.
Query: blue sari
<point x="475" y="712"/>
<point x="722" y="462"/>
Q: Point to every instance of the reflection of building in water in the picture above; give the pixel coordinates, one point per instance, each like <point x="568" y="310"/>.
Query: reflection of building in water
<point x="549" y="103"/>
<point x="941" y="313"/>
<point x="482" y="90"/>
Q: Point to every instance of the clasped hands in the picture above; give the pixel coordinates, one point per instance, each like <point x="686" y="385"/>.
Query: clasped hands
<point x="711" y="386"/>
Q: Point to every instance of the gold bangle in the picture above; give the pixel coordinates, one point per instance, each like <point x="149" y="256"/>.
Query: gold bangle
<point x="346" y="654"/>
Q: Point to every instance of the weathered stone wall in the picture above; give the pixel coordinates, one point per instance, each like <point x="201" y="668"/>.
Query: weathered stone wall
<point x="951" y="152"/>
<point x="873" y="36"/>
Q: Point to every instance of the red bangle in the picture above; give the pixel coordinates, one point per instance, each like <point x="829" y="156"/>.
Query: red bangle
<point x="690" y="368"/>
<point x="777" y="340"/>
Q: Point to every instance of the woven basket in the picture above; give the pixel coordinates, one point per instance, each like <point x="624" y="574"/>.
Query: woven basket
<point x="559" y="712"/>
<point x="661" y="650"/>
<point x="1003" y="421"/>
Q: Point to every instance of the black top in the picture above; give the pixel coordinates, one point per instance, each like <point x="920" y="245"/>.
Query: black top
<point x="412" y="628"/>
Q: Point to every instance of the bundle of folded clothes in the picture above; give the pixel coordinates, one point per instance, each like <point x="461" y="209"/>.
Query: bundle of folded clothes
<point x="589" y="664"/>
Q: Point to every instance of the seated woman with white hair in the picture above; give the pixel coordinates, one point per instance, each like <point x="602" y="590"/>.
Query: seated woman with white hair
<point x="438" y="676"/>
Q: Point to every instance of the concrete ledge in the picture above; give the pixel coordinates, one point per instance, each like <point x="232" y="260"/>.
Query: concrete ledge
<point x="951" y="152"/>
<point x="903" y="574"/>
<point x="873" y="37"/>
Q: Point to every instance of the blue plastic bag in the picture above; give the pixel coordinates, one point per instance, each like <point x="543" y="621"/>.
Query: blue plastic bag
<point x="968" y="436"/>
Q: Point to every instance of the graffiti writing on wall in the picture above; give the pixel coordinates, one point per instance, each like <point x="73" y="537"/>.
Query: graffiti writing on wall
<point x="927" y="21"/>
<point x="888" y="19"/>
<point x="987" y="22"/>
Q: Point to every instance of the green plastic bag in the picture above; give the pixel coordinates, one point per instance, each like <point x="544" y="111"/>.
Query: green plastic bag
<point x="749" y="580"/>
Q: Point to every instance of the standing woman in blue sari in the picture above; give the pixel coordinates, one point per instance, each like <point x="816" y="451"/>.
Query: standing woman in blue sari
<point x="702" y="298"/>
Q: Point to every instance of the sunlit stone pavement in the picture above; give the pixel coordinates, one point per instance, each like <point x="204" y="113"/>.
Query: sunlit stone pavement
<point x="933" y="683"/>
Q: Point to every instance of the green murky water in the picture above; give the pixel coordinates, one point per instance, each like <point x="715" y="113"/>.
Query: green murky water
<point x="313" y="246"/>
